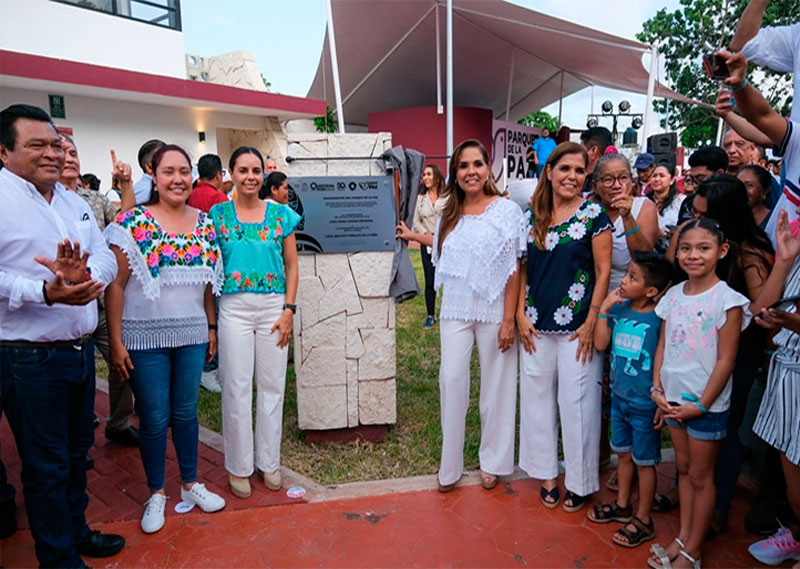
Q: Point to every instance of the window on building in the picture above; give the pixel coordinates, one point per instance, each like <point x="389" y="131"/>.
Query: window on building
<point x="165" y="13"/>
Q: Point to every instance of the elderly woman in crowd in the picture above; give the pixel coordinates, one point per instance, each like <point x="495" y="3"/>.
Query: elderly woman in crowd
<point x="162" y="324"/>
<point x="567" y="272"/>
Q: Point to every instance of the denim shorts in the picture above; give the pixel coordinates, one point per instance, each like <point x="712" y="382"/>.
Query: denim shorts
<point x="632" y="431"/>
<point x="708" y="427"/>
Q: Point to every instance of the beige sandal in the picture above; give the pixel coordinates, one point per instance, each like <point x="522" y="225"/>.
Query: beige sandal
<point x="488" y="481"/>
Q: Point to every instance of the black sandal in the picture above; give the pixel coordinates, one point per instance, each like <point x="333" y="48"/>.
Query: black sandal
<point x="553" y="494"/>
<point x="577" y="502"/>
<point x="604" y="513"/>
<point x="642" y="532"/>
<point x="662" y="503"/>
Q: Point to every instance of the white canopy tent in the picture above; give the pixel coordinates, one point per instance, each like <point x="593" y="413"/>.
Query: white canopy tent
<point x="505" y="58"/>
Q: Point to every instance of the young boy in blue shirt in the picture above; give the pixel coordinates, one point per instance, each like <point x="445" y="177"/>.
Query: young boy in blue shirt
<point x="627" y="320"/>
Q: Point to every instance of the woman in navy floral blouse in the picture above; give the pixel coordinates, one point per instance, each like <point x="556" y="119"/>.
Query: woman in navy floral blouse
<point x="567" y="271"/>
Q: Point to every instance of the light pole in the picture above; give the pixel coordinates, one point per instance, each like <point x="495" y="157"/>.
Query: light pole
<point x="607" y="108"/>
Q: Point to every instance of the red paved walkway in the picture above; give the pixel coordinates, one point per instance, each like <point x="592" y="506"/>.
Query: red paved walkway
<point x="469" y="527"/>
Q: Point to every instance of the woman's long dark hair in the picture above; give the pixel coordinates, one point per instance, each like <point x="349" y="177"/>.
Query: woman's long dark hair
<point x="728" y="206"/>
<point x="438" y="180"/>
<point x="671" y="194"/>
<point x="274" y="180"/>
<point x="154" y="163"/>
<point x="452" y="211"/>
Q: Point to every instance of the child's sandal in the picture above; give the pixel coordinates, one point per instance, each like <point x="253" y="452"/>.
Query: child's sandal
<point x="642" y="532"/>
<point x="662" y="559"/>
<point x="604" y="513"/>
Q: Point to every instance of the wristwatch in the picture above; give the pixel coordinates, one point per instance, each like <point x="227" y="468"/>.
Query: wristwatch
<point x="292" y="307"/>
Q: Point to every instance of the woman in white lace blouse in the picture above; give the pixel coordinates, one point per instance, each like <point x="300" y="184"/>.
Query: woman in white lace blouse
<point x="476" y="250"/>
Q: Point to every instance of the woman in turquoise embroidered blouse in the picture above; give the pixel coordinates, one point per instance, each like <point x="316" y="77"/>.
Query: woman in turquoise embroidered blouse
<point x="259" y="255"/>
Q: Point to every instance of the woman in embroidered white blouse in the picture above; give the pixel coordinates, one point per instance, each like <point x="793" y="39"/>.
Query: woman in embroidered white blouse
<point x="476" y="249"/>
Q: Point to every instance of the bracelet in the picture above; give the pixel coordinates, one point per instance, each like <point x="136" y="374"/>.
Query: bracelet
<point x="740" y="87"/>
<point x="212" y="327"/>
<point x="632" y="231"/>
<point x="602" y="316"/>
<point x="769" y="352"/>
<point x="654" y="389"/>
<point x="694" y="399"/>
<point x="292" y="307"/>
<point x="47" y="300"/>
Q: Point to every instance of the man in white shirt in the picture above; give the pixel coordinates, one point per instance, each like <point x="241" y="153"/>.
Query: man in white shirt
<point x="144" y="185"/>
<point x="54" y="265"/>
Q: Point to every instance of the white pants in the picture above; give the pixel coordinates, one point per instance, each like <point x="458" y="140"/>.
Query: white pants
<point x="551" y="376"/>
<point x="498" y="397"/>
<point x="246" y="345"/>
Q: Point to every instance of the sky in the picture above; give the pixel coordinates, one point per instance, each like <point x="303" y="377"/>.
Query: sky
<point x="286" y="36"/>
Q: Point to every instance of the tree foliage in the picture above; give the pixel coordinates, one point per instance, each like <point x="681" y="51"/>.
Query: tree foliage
<point x="682" y="36"/>
<point x="541" y="119"/>
<point x="327" y="123"/>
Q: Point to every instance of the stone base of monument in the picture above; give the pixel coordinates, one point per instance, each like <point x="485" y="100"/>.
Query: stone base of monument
<point x="371" y="433"/>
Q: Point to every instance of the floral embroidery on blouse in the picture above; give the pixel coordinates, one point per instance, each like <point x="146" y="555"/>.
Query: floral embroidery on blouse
<point x="560" y="278"/>
<point x="253" y="252"/>
<point x="161" y="249"/>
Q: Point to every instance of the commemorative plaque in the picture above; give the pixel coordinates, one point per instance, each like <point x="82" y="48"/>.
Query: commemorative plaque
<point x="344" y="214"/>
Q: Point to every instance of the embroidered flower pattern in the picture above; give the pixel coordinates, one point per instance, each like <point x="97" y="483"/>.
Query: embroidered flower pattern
<point x="272" y="230"/>
<point x="551" y="241"/>
<point x="576" y="230"/>
<point x="593" y="210"/>
<point x="562" y="316"/>
<point x="532" y="314"/>
<point x="576" y="291"/>
<point x="162" y="249"/>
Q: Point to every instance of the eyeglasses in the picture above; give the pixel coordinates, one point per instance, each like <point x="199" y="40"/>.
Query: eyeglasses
<point x="608" y="181"/>
<point x="694" y="180"/>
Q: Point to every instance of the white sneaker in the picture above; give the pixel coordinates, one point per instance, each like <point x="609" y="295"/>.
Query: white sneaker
<point x="210" y="381"/>
<point x="153" y="517"/>
<point x="207" y="500"/>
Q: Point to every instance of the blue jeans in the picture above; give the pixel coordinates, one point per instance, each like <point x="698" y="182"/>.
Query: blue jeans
<point x="632" y="431"/>
<point x="48" y="397"/>
<point x="708" y="427"/>
<point x="166" y="384"/>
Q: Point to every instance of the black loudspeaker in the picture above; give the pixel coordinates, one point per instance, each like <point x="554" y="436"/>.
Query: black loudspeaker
<point x="666" y="159"/>
<point x="664" y="143"/>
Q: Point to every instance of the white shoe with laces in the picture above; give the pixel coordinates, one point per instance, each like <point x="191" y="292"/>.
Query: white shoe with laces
<point x="153" y="517"/>
<point x="210" y="381"/>
<point x="205" y="499"/>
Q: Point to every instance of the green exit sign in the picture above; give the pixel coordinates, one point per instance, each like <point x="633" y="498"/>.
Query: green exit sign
<point x="57" y="109"/>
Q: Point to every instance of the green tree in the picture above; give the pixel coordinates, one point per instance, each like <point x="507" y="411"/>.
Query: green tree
<point x="541" y="119"/>
<point x="327" y="123"/>
<point x="682" y="36"/>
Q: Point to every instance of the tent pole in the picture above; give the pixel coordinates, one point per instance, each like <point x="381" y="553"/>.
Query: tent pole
<point x="335" y="68"/>
<point x="720" y="125"/>
<point x="561" y="97"/>
<point x="439" y="107"/>
<point x="651" y="84"/>
<point x="592" y="99"/>
<point x="449" y="77"/>
<point x="510" y="84"/>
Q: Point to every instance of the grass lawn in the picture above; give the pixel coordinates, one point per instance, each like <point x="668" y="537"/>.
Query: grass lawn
<point x="413" y="444"/>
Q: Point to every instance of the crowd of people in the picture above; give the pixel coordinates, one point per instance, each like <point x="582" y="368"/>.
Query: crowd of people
<point x="626" y="298"/>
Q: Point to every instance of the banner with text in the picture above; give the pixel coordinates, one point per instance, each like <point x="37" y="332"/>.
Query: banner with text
<point x="510" y="144"/>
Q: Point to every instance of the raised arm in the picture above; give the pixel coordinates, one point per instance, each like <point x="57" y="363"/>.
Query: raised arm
<point x="751" y="103"/>
<point x="724" y="109"/>
<point x="749" y="24"/>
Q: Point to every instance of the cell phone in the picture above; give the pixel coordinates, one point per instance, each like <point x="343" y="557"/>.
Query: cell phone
<point x="787" y="300"/>
<point x="715" y="66"/>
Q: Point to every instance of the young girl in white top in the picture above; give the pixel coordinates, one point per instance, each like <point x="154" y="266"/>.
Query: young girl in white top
<point x="696" y="352"/>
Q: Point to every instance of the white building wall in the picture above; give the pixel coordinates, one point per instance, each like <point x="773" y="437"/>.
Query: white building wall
<point x="51" y="29"/>
<point x="101" y="124"/>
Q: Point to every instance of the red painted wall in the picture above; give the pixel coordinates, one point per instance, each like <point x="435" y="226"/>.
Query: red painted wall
<point x="425" y="130"/>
